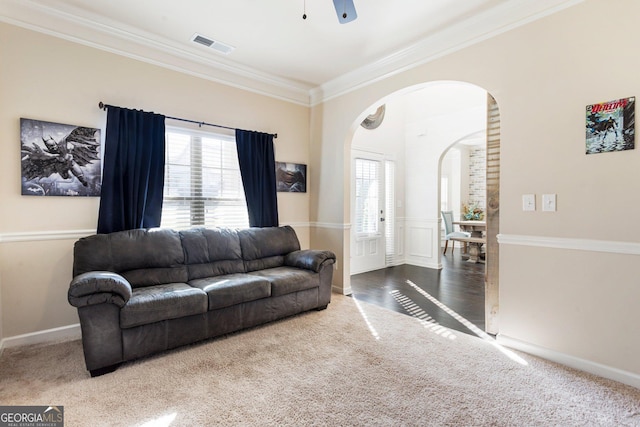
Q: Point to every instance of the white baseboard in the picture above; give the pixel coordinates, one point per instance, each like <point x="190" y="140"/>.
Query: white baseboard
<point x="63" y="333"/>
<point x="598" y="369"/>
<point x="426" y="264"/>
<point x="341" y="290"/>
<point x="72" y="332"/>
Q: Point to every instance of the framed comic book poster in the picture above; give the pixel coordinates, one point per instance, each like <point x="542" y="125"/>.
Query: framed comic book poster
<point x="611" y="126"/>
<point x="59" y="159"/>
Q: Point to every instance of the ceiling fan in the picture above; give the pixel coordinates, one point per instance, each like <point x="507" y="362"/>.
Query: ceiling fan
<point x="345" y="10"/>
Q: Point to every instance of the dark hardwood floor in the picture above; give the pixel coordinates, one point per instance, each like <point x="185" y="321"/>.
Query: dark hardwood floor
<point x="438" y="295"/>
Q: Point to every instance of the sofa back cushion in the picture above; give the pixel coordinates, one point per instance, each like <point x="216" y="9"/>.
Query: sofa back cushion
<point x="144" y="257"/>
<point x="266" y="247"/>
<point x="211" y="252"/>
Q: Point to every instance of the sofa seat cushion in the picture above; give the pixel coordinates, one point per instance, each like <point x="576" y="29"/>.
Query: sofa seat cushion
<point x="286" y="280"/>
<point x="162" y="302"/>
<point x="232" y="289"/>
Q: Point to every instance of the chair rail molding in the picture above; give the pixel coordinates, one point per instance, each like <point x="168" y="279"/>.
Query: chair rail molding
<point x="333" y="225"/>
<point x="35" y="236"/>
<point x="590" y="245"/>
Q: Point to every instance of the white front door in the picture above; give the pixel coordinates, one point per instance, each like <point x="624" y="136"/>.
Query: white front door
<point x="367" y="213"/>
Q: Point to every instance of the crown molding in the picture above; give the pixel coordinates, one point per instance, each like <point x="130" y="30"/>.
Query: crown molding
<point x="136" y="44"/>
<point x="480" y="27"/>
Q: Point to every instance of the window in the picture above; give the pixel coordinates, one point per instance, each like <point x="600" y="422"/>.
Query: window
<point x="390" y="202"/>
<point x="444" y="193"/>
<point x="203" y="186"/>
<point x="367" y="177"/>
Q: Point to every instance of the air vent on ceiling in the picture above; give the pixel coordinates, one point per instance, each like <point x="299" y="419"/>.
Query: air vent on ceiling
<point x="213" y="44"/>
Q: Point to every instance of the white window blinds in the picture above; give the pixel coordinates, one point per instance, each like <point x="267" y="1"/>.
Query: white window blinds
<point x="203" y="186"/>
<point x="390" y="212"/>
<point x="367" y="177"/>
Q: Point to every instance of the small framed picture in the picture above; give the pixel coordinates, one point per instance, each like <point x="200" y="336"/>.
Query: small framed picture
<point x="611" y="126"/>
<point x="291" y="177"/>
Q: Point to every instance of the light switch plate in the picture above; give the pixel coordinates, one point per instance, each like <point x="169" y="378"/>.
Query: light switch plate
<point x="528" y="202"/>
<point x="549" y="202"/>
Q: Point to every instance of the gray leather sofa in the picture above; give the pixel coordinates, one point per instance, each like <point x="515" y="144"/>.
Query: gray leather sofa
<point x="143" y="291"/>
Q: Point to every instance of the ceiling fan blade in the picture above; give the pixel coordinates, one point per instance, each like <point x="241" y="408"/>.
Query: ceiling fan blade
<point x="345" y="10"/>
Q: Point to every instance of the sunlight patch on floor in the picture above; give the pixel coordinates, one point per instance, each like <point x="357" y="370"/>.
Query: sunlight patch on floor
<point x="163" y="421"/>
<point x="473" y="328"/>
<point x="421" y="316"/>
<point x="373" y="331"/>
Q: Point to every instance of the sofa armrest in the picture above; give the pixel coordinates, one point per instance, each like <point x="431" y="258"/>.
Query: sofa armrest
<point x="99" y="287"/>
<point x="310" y="259"/>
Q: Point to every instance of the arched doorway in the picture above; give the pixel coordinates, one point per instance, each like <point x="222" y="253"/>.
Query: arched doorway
<point x="420" y="124"/>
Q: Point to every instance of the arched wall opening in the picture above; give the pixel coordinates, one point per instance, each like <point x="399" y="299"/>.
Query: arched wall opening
<point x="421" y="124"/>
<point x="462" y="174"/>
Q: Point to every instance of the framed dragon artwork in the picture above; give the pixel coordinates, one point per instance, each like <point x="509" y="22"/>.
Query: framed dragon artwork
<point x="59" y="159"/>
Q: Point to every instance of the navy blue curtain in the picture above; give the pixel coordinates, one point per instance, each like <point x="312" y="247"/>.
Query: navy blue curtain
<point x="258" y="169"/>
<point x="133" y="172"/>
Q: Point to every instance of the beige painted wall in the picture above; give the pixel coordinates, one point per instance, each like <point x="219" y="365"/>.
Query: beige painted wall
<point x="579" y="303"/>
<point x="50" y="79"/>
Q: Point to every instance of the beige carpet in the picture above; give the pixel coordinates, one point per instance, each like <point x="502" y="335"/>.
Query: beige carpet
<point x="352" y="364"/>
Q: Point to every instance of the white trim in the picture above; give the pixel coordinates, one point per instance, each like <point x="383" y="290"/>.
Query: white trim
<point x="135" y="43"/>
<point x="63" y="333"/>
<point x="341" y="290"/>
<point x="139" y="45"/>
<point x="35" y="236"/>
<point x="629" y="248"/>
<point x="296" y="224"/>
<point x="604" y="371"/>
<point x="331" y="225"/>
<point x="422" y="220"/>
<point x="421" y="263"/>
<point x="480" y="27"/>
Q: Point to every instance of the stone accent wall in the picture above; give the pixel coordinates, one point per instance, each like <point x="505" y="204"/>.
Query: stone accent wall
<point x="477" y="176"/>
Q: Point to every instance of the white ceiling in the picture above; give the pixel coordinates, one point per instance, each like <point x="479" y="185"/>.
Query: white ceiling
<point x="276" y="51"/>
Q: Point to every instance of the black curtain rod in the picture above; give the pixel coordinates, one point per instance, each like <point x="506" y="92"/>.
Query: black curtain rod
<point x="104" y="107"/>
